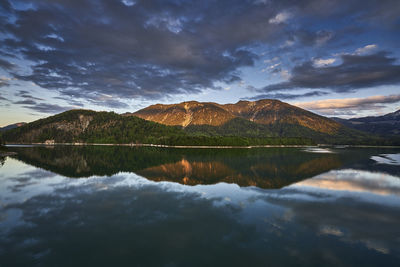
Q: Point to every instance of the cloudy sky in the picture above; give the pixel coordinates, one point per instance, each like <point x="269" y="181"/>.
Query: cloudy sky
<point x="333" y="57"/>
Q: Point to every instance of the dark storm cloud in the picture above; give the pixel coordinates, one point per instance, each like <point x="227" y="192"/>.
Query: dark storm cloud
<point x="47" y="108"/>
<point x="370" y="11"/>
<point x="111" y="103"/>
<point x="6" y="65"/>
<point x="148" y="50"/>
<point x="92" y="97"/>
<point x="26" y="95"/>
<point x="284" y="96"/>
<point x="313" y="38"/>
<point x="152" y="49"/>
<point x="355" y="71"/>
<point x="4" y="83"/>
<point x="70" y="101"/>
<point x="29" y="101"/>
<point x="25" y="102"/>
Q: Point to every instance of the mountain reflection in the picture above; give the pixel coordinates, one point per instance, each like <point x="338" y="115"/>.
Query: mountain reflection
<point x="263" y="175"/>
<point x="264" y="168"/>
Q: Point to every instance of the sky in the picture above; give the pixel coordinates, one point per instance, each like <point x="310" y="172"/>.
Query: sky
<point x="333" y="57"/>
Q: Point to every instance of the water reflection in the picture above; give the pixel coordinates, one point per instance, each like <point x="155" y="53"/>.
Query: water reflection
<point x="392" y="159"/>
<point x="354" y="181"/>
<point x="131" y="214"/>
<point x="264" y="168"/>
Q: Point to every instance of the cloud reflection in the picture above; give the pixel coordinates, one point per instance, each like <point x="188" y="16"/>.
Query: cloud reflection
<point x="351" y="181"/>
<point x="134" y="220"/>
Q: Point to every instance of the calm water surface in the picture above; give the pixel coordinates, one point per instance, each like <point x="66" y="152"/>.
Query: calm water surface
<point x="122" y="206"/>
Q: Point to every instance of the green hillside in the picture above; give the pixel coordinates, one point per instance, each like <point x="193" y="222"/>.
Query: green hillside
<point x="92" y="127"/>
<point x="85" y="126"/>
<point x="246" y="128"/>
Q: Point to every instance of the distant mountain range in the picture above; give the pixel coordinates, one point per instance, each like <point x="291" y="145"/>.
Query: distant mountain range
<point x="195" y="123"/>
<point x="385" y="125"/>
<point x="12" y="126"/>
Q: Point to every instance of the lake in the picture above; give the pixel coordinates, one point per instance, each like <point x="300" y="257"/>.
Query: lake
<point x="132" y="206"/>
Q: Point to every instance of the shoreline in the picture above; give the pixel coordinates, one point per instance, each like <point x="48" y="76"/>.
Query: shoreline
<point x="150" y="145"/>
<point x="202" y="147"/>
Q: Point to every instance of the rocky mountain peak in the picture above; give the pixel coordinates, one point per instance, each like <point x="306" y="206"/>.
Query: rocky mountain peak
<point x="264" y="111"/>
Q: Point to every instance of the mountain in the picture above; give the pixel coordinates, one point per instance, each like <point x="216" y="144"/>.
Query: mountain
<point x="90" y="126"/>
<point x="12" y="126"/>
<point x="265" y="122"/>
<point x="86" y="126"/>
<point x="265" y="112"/>
<point x="269" y="111"/>
<point x="186" y="113"/>
<point x="263" y="118"/>
<point x="388" y="124"/>
<point x="257" y="119"/>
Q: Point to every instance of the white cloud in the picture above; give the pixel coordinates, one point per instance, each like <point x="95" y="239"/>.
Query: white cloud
<point x="323" y="37"/>
<point x="274" y="66"/>
<point x="288" y="43"/>
<point x="55" y="36"/>
<point x="359" y="51"/>
<point x="3" y="78"/>
<point x="366" y="49"/>
<point x="173" y="24"/>
<point x="128" y="2"/>
<point x="285" y="74"/>
<point x="269" y="68"/>
<point x="271" y="60"/>
<point x="319" y="62"/>
<point x="280" y="18"/>
<point x="330" y="106"/>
